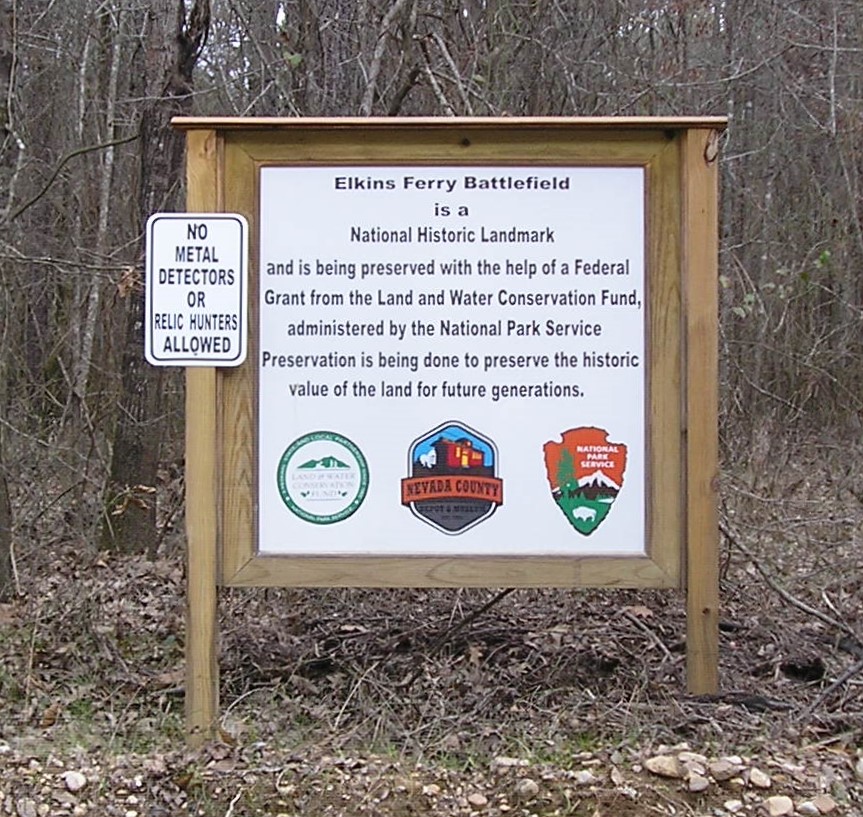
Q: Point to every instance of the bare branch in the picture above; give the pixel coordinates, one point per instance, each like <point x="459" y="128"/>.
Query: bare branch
<point x="62" y="163"/>
<point x="781" y="591"/>
<point x="377" y="57"/>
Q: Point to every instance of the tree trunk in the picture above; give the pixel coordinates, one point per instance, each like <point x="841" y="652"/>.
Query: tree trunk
<point x="6" y="60"/>
<point x="173" y="42"/>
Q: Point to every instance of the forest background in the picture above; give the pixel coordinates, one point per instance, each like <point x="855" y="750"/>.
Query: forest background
<point x="91" y="458"/>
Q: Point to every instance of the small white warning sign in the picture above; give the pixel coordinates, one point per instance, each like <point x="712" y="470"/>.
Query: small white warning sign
<point x="196" y="289"/>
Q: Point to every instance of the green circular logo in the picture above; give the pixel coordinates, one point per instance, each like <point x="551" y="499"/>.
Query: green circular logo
<point x="323" y="477"/>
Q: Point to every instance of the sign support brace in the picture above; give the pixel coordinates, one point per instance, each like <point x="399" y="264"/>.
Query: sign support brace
<point x="700" y="261"/>
<point x="202" y="574"/>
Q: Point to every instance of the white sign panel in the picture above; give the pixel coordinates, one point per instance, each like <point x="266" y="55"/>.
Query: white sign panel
<point x="197" y="289"/>
<point x="452" y="361"/>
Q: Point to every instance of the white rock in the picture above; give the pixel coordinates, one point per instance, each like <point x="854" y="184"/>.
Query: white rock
<point x="779" y="805"/>
<point x="502" y="762"/>
<point x="664" y="766"/>
<point x="792" y="768"/>
<point x="721" y="770"/>
<point x="759" y="779"/>
<point x="733" y="806"/>
<point x="64" y="798"/>
<point x="26" y="808"/>
<point x="74" y="781"/>
<point x="583" y="777"/>
<point x="526" y="789"/>
<point x="858" y="768"/>
<point x="691" y="757"/>
<point x="697" y="783"/>
<point x="477" y="799"/>
<point x="824" y="803"/>
<point x="808" y="809"/>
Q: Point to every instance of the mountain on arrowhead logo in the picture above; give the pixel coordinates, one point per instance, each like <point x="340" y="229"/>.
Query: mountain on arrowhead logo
<point x="585" y="473"/>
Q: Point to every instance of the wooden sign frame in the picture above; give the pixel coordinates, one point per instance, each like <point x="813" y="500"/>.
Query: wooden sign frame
<point x="679" y="156"/>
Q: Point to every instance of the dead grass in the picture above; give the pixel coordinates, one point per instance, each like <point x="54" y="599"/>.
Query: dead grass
<point x="91" y="660"/>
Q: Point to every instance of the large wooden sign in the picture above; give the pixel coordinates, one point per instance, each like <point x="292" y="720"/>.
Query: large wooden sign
<point x="482" y="353"/>
<point x="463" y="352"/>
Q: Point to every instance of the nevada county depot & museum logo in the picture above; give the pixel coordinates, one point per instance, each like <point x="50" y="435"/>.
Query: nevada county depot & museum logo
<point x="453" y="483"/>
<point x="323" y="477"/>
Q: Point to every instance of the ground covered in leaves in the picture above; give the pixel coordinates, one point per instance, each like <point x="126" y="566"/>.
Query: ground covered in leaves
<point x="481" y="702"/>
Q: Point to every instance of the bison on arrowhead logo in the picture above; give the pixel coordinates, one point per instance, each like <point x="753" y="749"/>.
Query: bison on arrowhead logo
<point x="585" y="472"/>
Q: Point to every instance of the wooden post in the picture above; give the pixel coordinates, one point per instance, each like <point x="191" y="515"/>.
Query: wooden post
<point x="700" y="259"/>
<point x="202" y="668"/>
<point x="223" y="161"/>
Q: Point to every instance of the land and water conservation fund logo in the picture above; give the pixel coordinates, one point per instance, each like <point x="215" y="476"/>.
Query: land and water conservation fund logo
<point x="452" y="484"/>
<point x="585" y="472"/>
<point x="323" y="477"/>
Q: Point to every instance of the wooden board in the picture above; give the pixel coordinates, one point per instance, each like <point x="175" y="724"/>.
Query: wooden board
<point x="543" y="123"/>
<point x="202" y="688"/>
<point x="485" y="143"/>
<point x="679" y="157"/>
<point x="701" y="254"/>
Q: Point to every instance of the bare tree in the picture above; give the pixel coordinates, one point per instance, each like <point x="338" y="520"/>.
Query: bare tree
<point x="173" y="39"/>
<point x="10" y="151"/>
<point x="78" y="179"/>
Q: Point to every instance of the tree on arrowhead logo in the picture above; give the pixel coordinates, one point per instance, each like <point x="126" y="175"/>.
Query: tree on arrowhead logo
<point x="585" y="472"/>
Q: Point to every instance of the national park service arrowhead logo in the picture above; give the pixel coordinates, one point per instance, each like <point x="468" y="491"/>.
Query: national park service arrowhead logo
<point x="453" y="483"/>
<point x="585" y="472"/>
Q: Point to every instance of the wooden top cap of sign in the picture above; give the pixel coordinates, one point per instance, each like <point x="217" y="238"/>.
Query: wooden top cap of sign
<point x="538" y="122"/>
